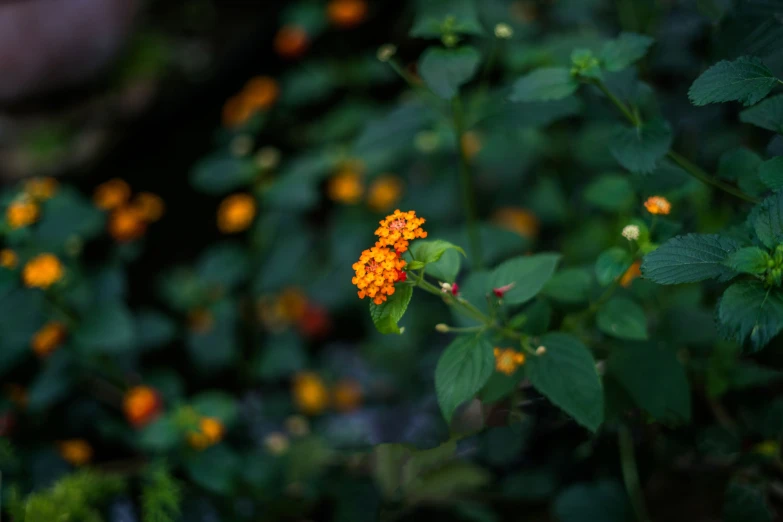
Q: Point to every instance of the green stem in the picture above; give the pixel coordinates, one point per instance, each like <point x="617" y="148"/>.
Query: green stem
<point x="631" y="474"/>
<point x="683" y="162"/>
<point x="464" y="177"/>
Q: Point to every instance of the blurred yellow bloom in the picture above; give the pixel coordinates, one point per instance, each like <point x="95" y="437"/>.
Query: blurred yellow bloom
<point x="8" y="258"/>
<point x="657" y="205"/>
<point x="518" y="220"/>
<point x="309" y="393"/>
<point x="75" y="451"/>
<point x="385" y="191"/>
<point x="236" y="213"/>
<point x="347" y="395"/>
<point x="126" y="223"/>
<point x="346" y="13"/>
<point x="471" y="144"/>
<point x="346" y="187"/>
<point x="632" y="273"/>
<point x="149" y="206"/>
<point x="141" y="405"/>
<point x="111" y="194"/>
<point x="768" y="448"/>
<point x="21" y="213"/>
<point x="260" y="92"/>
<point x="40" y="188"/>
<point x="48" y="338"/>
<point x="508" y="360"/>
<point x="291" y="41"/>
<point x="42" y="271"/>
<point x="210" y="432"/>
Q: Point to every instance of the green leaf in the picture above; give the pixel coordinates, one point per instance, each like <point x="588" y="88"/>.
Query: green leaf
<point x="623" y="51"/>
<point x="434" y="17"/>
<point x="767" y="114"/>
<point x="431" y="251"/>
<point x="771" y="173"/>
<point x="108" y="329"/>
<point x="446" y="268"/>
<point x="216" y="404"/>
<point x="767" y="220"/>
<point x="548" y="83"/>
<point x="445" y="70"/>
<point x="654" y="379"/>
<point x="68" y="215"/>
<point x="221" y="174"/>
<point x="216" y="469"/>
<point x="622" y="318"/>
<point x="52" y="383"/>
<point x="611" y="264"/>
<point x="745" y="503"/>
<point x="602" y="501"/>
<point x="218" y="347"/>
<point x="748" y="260"/>
<point x="745" y="79"/>
<point x="154" y="329"/>
<point x="225" y="265"/>
<point x="463" y="369"/>
<point x="571" y="285"/>
<point x="566" y="375"/>
<point x="528" y="274"/>
<point x="741" y="165"/>
<point x="690" y="258"/>
<point x="639" y="149"/>
<point x="387" y="314"/>
<point x="160" y="435"/>
<point x="750" y="312"/>
<point x="449" y="481"/>
<point x="612" y="193"/>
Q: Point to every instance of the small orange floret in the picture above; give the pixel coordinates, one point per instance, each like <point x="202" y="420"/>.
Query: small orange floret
<point x="40" y="188"/>
<point x="149" y="206"/>
<point x="346" y="187"/>
<point x="291" y="41"/>
<point x="8" y="258"/>
<point x="632" y="273"/>
<point x="260" y="92"/>
<point x="384" y="193"/>
<point x="376" y="271"/>
<point x="111" y="194"/>
<point x="309" y="393"/>
<point x="658" y="205"/>
<point x="346" y="13"/>
<point x="75" y="451"/>
<point x="398" y="229"/>
<point x="42" y="271"/>
<point x="21" y="213"/>
<point x="210" y="432"/>
<point x="508" y="360"/>
<point x="347" y="395"/>
<point x="127" y="223"/>
<point x="236" y="213"/>
<point x="141" y="405"/>
<point x="48" y="338"/>
<point x="236" y="111"/>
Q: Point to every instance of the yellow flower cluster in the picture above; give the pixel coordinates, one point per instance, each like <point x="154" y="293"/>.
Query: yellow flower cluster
<point x="42" y="271"/>
<point x="507" y="360"/>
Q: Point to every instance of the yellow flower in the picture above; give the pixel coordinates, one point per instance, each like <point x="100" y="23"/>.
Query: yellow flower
<point x="42" y="271"/>
<point x="260" y="92"/>
<point x="347" y="395"/>
<point x="48" y="338"/>
<point x="236" y="213"/>
<point x="40" y="188"/>
<point x="398" y="229"/>
<point x="127" y="223"/>
<point x="376" y="272"/>
<point x="141" y="405"/>
<point x="291" y="41"/>
<point x="309" y="393"/>
<point x="657" y="205"/>
<point x="210" y="432"/>
<point x="149" y="206"/>
<point x="8" y="258"/>
<point x="346" y="13"/>
<point x="75" y="451"/>
<point x="507" y="360"/>
<point x="346" y="187"/>
<point x="385" y="192"/>
<point x="768" y="448"/>
<point x="632" y="273"/>
<point x="111" y="194"/>
<point x="518" y="220"/>
<point x="21" y="213"/>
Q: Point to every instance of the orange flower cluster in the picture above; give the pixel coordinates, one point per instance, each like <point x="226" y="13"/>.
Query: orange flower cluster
<point x="346" y="13"/>
<point x="311" y="395"/>
<point x="141" y="405"/>
<point x="76" y="452"/>
<point x="21" y="213"/>
<point x="236" y="213"/>
<point x="258" y="94"/>
<point x="381" y="266"/>
<point x="42" y="271"/>
<point x="129" y="218"/>
<point x="508" y="360"/>
<point x="658" y="205"/>
<point x="48" y="338"/>
<point x="210" y="431"/>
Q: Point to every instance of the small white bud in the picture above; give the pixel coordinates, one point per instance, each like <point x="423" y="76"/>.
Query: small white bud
<point x="541" y="350"/>
<point x="445" y="287"/>
<point x="504" y="31"/>
<point x="385" y="52"/>
<point x="631" y="232"/>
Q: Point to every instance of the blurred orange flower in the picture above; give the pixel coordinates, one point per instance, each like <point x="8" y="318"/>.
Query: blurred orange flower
<point x="149" y="206"/>
<point x="22" y="213"/>
<point x="347" y="395"/>
<point x="127" y="223"/>
<point x="236" y="213"/>
<point x="260" y="92"/>
<point x="141" y="405"/>
<point x="8" y="258"/>
<point x="42" y="271"/>
<point x="385" y="191"/>
<point x="309" y="393"/>
<point x="658" y="205"/>
<point x="518" y="220"/>
<point x="48" y="338"/>
<point x="508" y="360"/>
<point x="75" y="451"/>
<point x="41" y="188"/>
<point x="236" y="111"/>
<point x="111" y="194"/>
<point x="291" y="41"/>
<point x="632" y="273"/>
<point x="471" y="144"/>
<point x="346" y="187"/>
<point x="346" y="13"/>
<point x="210" y="432"/>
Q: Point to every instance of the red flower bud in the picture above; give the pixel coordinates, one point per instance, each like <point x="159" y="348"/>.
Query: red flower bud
<point x="501" y="291"/>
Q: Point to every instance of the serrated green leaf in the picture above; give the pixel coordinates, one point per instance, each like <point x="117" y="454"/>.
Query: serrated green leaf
<point x="222" y="174"/>
<point x="745" y="503"/>
<point x="387" y="314"/>
<point x="748" y="311"/>
<point x="612" y="193"/>
<point x="622" y="318"/>
<point x="771" y="173"/>
<point x="548" y="83"/>
<point x="566" y="375"/>
<point x="611" y="264"/>
<point x="639" y="149"/>
<point x="767" y="114"/>
<point x="690" y="258"/>
<point x="745" y="79"/>
<point x="433" y="17"/>
<point x="528" y="274"/>
<point x="641" y="368"/>
<point x="445" y="70"/>
<point x="463" y="369"/>
<point x="571" y="285"/>
<point x="767" y="220"/>
<point x="623" y="51"/>
<point x="748" y="260"/>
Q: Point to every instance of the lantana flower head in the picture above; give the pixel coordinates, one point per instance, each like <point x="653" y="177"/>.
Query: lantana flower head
<point x="376" y="271"/>
<point x="398" y="229"/>
<point x="508" y="360"/>
<point x="658" y="205"/>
